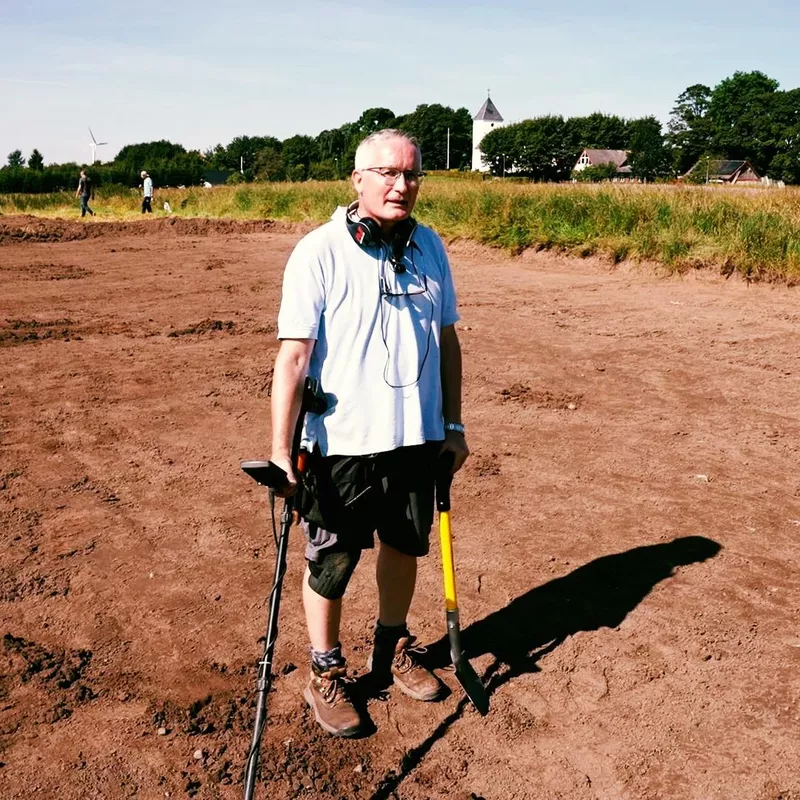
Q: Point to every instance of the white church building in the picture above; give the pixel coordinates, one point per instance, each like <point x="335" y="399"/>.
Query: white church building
<point x="487" y="119"/>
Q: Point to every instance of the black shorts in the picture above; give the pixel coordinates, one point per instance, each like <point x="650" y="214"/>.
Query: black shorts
<point x="347" y="498"/>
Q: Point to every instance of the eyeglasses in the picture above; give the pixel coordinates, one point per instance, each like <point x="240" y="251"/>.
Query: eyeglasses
<point x="391" y="175"/>
<point x="414" y="283"/>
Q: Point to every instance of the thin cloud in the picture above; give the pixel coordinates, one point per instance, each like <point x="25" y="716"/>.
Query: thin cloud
<point x="5" y="79"/>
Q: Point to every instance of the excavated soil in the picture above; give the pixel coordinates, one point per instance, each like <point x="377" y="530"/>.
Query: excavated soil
<point x="627" y="533"/>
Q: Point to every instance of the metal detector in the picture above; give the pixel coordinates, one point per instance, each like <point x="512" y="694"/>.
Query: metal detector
<point x="272" y="476"/>
<point x="465" y="674"/>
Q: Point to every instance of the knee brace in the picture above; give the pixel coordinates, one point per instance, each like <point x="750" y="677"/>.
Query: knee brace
<point x="331" y="574"/>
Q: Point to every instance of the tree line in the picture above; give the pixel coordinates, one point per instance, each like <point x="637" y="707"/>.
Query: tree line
<point x="546" y="148"/>
<point x="328" y="156"/>
<point x="744" y="116"/>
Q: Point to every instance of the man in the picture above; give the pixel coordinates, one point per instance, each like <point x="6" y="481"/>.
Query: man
<point x="85" y="191"/>
<point x="147" y="193"/>
<point x="369" y="310"/>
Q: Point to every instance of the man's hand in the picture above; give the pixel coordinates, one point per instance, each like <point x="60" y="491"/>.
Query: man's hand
<point x="285" y="463"/>
<point x="456" y="444"/>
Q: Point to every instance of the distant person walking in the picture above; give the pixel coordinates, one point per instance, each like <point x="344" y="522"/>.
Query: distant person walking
<point x="85" y="191"/>
<point x="147" y="194"/>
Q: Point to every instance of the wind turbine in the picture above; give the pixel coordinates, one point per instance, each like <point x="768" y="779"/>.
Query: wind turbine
<point x="94" y="144"/>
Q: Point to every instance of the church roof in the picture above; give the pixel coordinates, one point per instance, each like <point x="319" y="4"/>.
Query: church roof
<point x="597" y="157"/>
<point x="488" y="112"/>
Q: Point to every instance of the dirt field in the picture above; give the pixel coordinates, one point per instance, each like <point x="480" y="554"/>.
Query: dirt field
<point x="628" y="533"/>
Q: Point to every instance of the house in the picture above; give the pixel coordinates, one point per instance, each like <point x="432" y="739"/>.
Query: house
<point x="595" y="158"/>
<point x="720" y="170"/>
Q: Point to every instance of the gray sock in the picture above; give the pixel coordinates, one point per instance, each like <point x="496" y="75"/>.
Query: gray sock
<point x="326" y="659"/>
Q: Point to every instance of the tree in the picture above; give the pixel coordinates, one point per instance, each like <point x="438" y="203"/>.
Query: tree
<point x="785" y="137"/>
<point x="215" y="156"/>
<point x="242" y="150"/>
<point x="299" y="152"/>
<point x="649" y="158"/>
<point x="375" y="119"/>
<point x="429" y="124"/>
<point x="596" y="173"/>
<point x="538" y="148"/>
<point x="269" y="165"/>
<point x="331" y="144"/>
<point x="499" y="148"/>
<point x="740" y="109"/>
<point x="690" y="128"/>
<point x="36" y="161"/>
<point x="599" y="131"/>
<point x="15" y="159"/>
<point x="323" y="171"/>
<point x="141" y="156"/>
<point x="545" y="154"/>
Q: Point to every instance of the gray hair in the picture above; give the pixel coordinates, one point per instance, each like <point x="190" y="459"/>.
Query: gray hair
<point x="384" y="135"/>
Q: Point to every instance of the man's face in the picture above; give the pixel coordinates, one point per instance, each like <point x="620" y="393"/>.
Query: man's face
<point x="388" y="205"/>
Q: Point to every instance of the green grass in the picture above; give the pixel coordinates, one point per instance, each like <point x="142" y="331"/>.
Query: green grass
<point x="753" y="231"/>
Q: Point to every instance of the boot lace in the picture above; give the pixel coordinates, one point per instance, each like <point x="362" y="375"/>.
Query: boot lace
<point x="404" y="661"/>
<point x="334" y="686"/>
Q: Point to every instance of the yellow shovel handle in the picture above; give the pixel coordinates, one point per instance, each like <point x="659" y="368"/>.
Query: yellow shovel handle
<point x="448" y="568"/>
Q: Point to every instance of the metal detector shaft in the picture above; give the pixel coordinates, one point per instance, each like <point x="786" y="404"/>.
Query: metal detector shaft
<point x="265" y="665"/>
<point x="267" y="474"/>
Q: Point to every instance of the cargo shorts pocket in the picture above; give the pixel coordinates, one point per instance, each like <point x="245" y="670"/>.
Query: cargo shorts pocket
<point x="339" y="492"/>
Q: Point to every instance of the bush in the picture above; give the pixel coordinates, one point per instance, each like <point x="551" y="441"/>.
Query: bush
<point x="596" y="173"/>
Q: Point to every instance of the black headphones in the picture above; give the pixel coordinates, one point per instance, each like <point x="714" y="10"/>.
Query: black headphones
<point x="366" y="232"/>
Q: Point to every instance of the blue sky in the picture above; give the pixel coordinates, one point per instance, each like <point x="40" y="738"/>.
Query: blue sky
<point x="200" y="73"/>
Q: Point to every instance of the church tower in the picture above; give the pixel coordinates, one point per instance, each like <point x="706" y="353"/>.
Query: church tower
<point x="487" y="119"/>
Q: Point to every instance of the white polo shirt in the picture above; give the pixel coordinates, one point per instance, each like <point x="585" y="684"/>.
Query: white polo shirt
<point x="377" y="335"/>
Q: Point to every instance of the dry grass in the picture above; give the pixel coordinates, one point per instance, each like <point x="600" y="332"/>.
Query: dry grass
<point x="753" y="231"/>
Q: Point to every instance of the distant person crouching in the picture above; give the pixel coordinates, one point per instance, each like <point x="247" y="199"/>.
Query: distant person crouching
<point x="147" y="194"/>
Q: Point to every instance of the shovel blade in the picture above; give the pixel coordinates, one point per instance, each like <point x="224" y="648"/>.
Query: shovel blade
<point x="466" y="675"/>
<point x="471" y="684"/>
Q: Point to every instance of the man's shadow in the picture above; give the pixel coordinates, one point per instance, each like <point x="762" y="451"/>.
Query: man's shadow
<point x="597" y="595"/>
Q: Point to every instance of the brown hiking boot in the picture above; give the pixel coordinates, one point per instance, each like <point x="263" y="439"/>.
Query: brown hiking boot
<point x="327" y="694"/>
<point x="403" y="668"/>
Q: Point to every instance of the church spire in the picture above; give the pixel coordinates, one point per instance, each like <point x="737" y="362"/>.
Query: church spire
<point x="488" y="112"/>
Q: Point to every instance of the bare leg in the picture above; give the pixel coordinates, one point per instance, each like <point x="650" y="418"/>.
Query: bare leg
<point x="323" y="617"/>
<point x="396" y="575"/>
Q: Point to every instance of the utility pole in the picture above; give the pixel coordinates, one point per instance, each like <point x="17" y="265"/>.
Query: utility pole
<point x="448" y="148"/>
<point x="241" y="164"/>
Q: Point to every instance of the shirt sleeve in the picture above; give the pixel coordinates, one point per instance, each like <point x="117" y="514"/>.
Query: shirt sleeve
<point x="303" y="299"/>
<point x="450" y="313"/>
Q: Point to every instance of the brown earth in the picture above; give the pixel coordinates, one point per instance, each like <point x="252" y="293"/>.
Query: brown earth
<point x="627" y="532"/>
